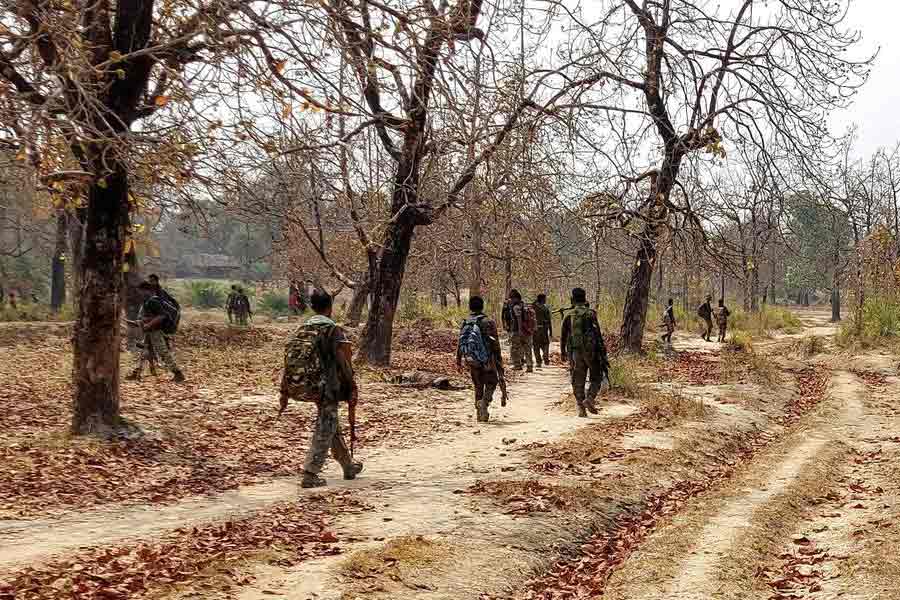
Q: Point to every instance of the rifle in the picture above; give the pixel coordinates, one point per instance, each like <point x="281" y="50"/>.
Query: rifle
<point x="501" y="378"/>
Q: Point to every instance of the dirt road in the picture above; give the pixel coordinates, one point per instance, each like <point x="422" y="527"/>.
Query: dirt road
<point x="722" y="475"/>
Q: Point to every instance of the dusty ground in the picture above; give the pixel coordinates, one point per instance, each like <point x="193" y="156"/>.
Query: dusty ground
<point x="715" y="473"/>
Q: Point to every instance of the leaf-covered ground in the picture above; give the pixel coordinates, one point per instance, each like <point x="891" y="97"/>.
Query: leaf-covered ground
<point x="216" y="432"/>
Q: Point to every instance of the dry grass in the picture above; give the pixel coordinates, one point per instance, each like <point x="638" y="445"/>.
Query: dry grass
<point x="671" y="406"/>
<point x="398" y="555"/>
<point x="808" y="346"/>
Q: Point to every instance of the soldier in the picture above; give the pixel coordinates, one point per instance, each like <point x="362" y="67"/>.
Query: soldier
<point x="543" y="331"/>
<point x="669" y="322"/>
<point x="154" y="321"/>
<point x="722" y="315"/>
<point x="242" y="307"/>
<point x="705" y="312"/>
<point x="329" y="358"/>
<point x="231" y="303"/>
<point x="583" y="346"/>
<point x="520" y="342"/>
<point x="479" y="348"/>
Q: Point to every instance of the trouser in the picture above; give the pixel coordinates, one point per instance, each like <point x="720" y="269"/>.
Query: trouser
<point x="541" y="349"/>
<point x="723" y="329"/>
<point x="485" y="381"/>
<point x="326" y="436"/>
<point x="156" y="344"/>
<point x="580" y="367"/>
<point x="520" y="350"/>
<point x="708" y="329"/>
<point x="241" y="317"/>
<point x="667" y="336"/>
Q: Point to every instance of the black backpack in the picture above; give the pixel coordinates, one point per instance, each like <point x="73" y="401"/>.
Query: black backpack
<point x="172" y="310"/>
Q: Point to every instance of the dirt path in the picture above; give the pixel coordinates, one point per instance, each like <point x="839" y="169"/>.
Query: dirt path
<point x="399" y="483"/>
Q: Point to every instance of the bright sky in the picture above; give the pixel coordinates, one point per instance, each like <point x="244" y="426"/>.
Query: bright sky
<point x="877" y="106"/>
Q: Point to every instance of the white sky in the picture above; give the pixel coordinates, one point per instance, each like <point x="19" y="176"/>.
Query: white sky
<point x="877" y="106"/>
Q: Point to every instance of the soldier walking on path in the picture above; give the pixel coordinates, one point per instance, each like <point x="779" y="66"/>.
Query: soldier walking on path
<point x="231" y="303"/>
<point x="722" y="315"/>
<point x="543" y="331"/>
<point x="583" y="346"/>
<point x="705" y="312"/>
<point x="157" y="320"/>
<point x="242" y="308"/>
<point x="669" y="322"/>
<point x="515" y="315"/>
<point x="318" y="368"/>
<point x="479" y="350"/>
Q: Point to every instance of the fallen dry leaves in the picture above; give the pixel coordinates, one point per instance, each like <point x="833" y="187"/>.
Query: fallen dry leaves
<point x="200" y="558"/>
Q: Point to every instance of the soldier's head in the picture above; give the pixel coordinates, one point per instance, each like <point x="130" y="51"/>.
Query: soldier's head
<point x="476" y="304"/>
<point x="321" y="302"/>
<point x="542" y="298"/>
<point x="671" y="302"/>
<point x="579" y="296"/>
<point x="153" y="279"/>
<point x="515" y="295"/>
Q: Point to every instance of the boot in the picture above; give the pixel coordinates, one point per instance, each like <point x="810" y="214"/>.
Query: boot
<point x="178" y="377"/>
<point x="592" y="408"/>
<point x="582" y="412"/>
<point x="311" y="480"/>
<point x="529" y="370"/>
<point x="352" y="470"/>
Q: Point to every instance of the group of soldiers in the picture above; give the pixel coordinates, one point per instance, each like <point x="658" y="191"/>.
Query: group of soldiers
<point x="705" y="312"/>
<point x="530" y="329"/>
<point x="237" y="305"/>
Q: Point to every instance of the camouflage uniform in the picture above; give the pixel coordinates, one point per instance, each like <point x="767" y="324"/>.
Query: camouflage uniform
<point x="519" y="343"/>
<point x="706" y="313"/>
<point x="542" y="334"/>
<point x="230" y="305"/>
<point x="669" y="324"/>
<point x="242" y="308"/>
<point x="156" y="343"/>
<point x="327" y="431"/>
<point x="583" y="363"/>
<point x="485" y="379"/>
<point x="722" y="321"/>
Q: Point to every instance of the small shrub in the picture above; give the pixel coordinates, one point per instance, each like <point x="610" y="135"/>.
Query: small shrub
<point x="767" y="319"/>
<point x="809" y="346"/>
<point x="739" y="341"/>
<point x="274" y="304"/>
<point x="881" y="318"/>
<point x="206" y="294"/>
<point x="672" y="406"/>
<point x="622" y="377"/>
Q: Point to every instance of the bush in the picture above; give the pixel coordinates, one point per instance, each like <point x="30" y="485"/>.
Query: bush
<point x="739" y="341"/>
<point x="881" y="318"/>
<point x="206" y="294"/>
<point x="622" y="376"/>
<point x="809" y="345"/>
<point x="767" y="319"/>
<point x="274" y="304"/>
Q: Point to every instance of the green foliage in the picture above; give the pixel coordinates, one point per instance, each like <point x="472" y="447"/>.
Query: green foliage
<point x="881" y="318"/>
<point x="205" y="294"/>
<point x="766" y="320"/>
<point x="622" y="377"/>
<point x="739" y="341"/>
<point x="274" y="304"/>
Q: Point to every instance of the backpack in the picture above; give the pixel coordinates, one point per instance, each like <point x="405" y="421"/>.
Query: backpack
<point x="472" y="346"/>
<point x="305" y="354"/>
<point x="704" y="311"/>
<point x="584" y="333"/>
<point x="507" y="317"/>
<point x="529" y="320"/>
<point x="171" y="310"/>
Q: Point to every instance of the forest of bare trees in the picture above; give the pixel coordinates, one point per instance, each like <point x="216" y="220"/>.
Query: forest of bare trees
<point x="644" y="149"/>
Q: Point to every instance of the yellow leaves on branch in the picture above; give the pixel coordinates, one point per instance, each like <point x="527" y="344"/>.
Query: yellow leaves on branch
<point x="161" y="101"/>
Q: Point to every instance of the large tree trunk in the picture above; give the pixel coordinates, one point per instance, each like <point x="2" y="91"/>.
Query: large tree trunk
<point x="835" y="303"/>
<point x="634" y="316"/>
<point x="754" y="289"/>
<point x="58" y="265"/>
<point x="95" y="368"/>
<point x="375" y="346"/>
<point x="477" y="235"/>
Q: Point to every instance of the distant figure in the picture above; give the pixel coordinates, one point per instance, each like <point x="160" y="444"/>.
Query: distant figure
<point x="722" y="315"/>
<point x="543" y="331"/>
<point x="242" y="310"/>
<point x="231" y="303"/>
<point x="12" y="300"/>
<point x="515" y="321"/>
<point x="294" y="298"/>
<point x="583" y="346"/>
<point x="669" y="322"/>
<point x="705" y="312"/>
<point x="156" y="321"/>
<point x="318" y="368"/>
<point x="2" y="296"/>
<point x="479" y="350"/>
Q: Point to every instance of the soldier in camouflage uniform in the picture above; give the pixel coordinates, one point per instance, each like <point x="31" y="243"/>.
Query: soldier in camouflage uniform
<point x="669" y="322"/>
<point x="485" y="378"/>
<point x="155" y="342"/>
<point x="705" y="312"/>
<point x="520" y="343"/>
<point x="722" y="315"/>
<point x="338" y="386"/>
<point x="231" y="303"/>
<point x="242" y="307"/>
<point x="544" y="331"/>
<point x="583" y="346"/>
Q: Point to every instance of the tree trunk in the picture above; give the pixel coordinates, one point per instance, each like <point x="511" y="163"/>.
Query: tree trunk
<point x="477" y="233"/>
<point x="95" y="368"/>
<point x="634" y="315"/>
<point x="76" y="243"/>
<point x="358" y="303"/>
<point x="507" y="269"/>
<point x="375" y="346"/>
<point x="58" y="265"/>
<point x="754" y="290"/>
<point x="835" y="302"/>
<point x="133" y="300"/>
